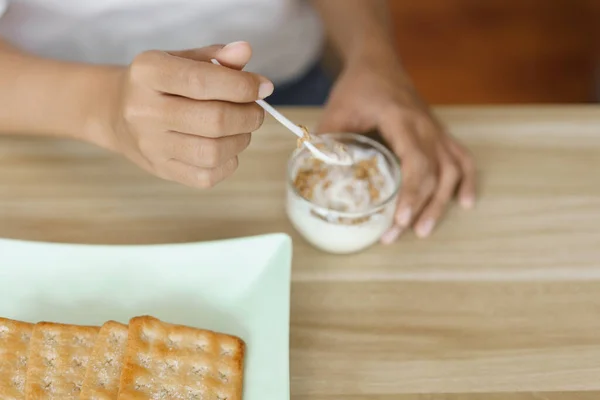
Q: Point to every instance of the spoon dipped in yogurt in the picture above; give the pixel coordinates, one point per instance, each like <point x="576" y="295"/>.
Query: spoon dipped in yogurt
<point x="330" y="152"/>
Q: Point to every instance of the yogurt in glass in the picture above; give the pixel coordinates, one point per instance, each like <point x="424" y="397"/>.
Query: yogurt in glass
<point x="343" y="209"/>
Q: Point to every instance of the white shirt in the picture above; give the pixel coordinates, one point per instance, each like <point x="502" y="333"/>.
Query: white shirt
<point x="286" y="35"/>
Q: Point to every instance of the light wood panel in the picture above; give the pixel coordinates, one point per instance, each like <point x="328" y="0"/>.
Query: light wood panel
<point x="502" y="303"/>
<point x="401" y="336"/>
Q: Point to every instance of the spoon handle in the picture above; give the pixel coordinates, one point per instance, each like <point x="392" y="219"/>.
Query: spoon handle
<point x="296" y="130"/>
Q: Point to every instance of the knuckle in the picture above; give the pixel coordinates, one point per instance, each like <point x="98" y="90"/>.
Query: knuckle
<point x="233" y="164"/>
<point x="148" y="56"/>
<point x="430" y="183"/>
<point x="422" y="164"/>
<point x="207" y="178"/>
<point x="246" y="138"/>
<point x="138" y="63"/>
<point x="194" y="177"/>
<point x="407" y="113"/>
<point x="203" y="181"/>
<point x="258" y="117"/>
<point x="463" y="156"/>
<point x="218" y="120"/>
<point x="196" y="80"/>
<point x="248" y="118"/>
<point x="183" y="149"/>
<point x="409" y="195"/>
<point x="451" y="171"/>
<point x="247" y="87"/>
<point x="423" y="121"/>
<point x="434" y="212"/>
<point x="209" y="152"/>
<point x="142" y="63"/>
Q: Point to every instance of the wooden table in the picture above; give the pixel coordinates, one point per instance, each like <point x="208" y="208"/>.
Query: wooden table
<point x="502" y="303"/>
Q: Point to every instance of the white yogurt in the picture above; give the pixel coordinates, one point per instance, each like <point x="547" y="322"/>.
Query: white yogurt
<point x="341" y="217"/>
<point x="333" y="237"/>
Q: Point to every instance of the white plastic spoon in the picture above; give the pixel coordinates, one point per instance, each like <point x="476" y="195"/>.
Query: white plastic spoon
<point x="327" y="152"/>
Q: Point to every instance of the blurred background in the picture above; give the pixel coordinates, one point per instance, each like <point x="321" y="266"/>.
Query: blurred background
<point x="501" y="51"/>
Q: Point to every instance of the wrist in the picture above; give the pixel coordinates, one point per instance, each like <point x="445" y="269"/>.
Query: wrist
<point x="103" y="92"/>
<point x="369" y="41"/>
<point x="377" y="55"/>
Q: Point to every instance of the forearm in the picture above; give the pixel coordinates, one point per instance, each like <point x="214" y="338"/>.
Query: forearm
<point x="358" y="29"/>
<point x="47" y="97"/>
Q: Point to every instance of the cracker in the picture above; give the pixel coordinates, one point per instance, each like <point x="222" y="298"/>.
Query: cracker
<point x="58" y="357"/>
<point x="14" y="348"/>
<point x="104" y="368"/>
<point x="166" y="361"/>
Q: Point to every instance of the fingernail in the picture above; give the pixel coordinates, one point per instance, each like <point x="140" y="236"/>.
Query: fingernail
<point x="390" y="236"/>
<point x="233" y="44"/>
<point x="265" y="89"/>
<point x="403" y="217"/>
<point x="424" y="229"/>
<point x="467" y="202"/>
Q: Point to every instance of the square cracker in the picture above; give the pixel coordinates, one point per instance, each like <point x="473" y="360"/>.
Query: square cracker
<point x="58" y="358"/>
<point x="166" y="361"/>
<point x="103" y="373"/>
<point x="14" y="348"/>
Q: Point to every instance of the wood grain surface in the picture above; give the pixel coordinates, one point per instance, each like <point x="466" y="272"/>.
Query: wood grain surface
<point x="503" y="302"/>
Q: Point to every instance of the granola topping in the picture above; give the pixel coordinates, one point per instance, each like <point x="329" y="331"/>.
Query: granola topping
<point x="351" y="189"/>
<point x="305" y="138"/>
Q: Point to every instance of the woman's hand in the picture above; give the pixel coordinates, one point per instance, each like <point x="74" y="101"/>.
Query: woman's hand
<point x="183" y="118"/>
<point x="435" y="166"/>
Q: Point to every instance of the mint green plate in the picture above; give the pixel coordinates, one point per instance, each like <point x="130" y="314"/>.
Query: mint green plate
<point x="239" y="286"/>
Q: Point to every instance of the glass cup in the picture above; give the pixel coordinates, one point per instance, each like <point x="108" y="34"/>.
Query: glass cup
<point x="341" y="232"/>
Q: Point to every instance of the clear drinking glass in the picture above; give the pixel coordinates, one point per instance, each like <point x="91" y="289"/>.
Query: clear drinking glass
<point x="336" y="231"/>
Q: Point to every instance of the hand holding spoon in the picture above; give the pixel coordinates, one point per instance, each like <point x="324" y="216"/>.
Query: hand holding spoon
<point x="330" y="153"/>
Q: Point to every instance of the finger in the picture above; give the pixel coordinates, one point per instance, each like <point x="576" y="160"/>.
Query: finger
<point x="202" y="54"/>
<point x="400" y="132"/>
<point x="392" y="234"/>
<point x="235" y="55"/>
<point x="196" y="177"/>
<point x="467" y="190"/>
<point x="419" y="183"/>
<point x="417" y="169"/>
<point x="198" y="80"/>
<point x="450" y="175"/>
<point x="208" y="118"/>
<point x="204" y="152"/>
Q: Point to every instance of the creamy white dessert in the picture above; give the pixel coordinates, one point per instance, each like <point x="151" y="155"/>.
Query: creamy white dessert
<point x="343" y="209"/>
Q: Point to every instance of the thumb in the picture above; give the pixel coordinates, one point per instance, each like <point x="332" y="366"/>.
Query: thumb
<point x="235" y="55"/>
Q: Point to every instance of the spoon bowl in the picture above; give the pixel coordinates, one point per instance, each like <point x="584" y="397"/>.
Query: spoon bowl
<point x="333" y="153"/>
